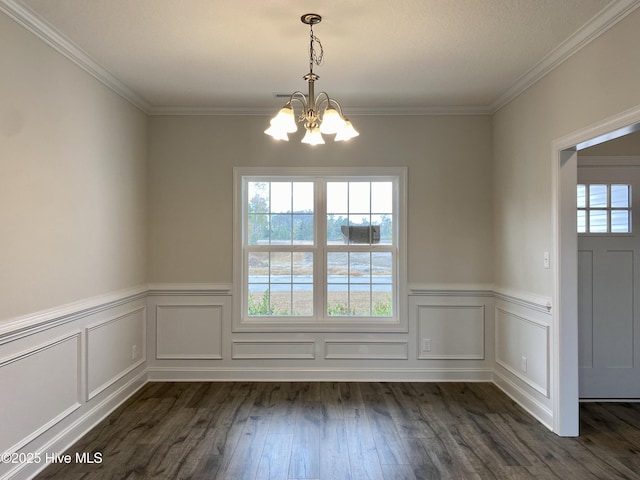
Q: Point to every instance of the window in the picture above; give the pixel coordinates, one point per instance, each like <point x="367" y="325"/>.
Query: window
<point x="319" y="249"/>
<point x="604" y="208"/>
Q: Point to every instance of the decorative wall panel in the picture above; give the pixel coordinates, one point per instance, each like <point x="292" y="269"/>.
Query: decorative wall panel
<point x="366" y="350"/>
<point x="451" y="332"/>
<point x="114" y="347"/>
<point x="270" y="350"/>
<point x="522" y="348"/>
<point x="50" y="371"/>
<point x="189" y="331"/>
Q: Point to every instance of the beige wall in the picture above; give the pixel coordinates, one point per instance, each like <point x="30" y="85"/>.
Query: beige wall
<point x="72" y="181"/>
<point x="190" y="189"/>
<point x="73" y="177"/>
<point x="599" y="81"/>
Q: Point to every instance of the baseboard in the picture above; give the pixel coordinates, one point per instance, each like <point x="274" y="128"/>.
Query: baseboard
<point x="199" y="374"/>
<point x="536" y="409"/>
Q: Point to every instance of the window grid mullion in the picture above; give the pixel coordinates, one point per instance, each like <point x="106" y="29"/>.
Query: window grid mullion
<point x="588" y="208"/>
<point x="320" y="239"/>
<point x="608" y="206"/>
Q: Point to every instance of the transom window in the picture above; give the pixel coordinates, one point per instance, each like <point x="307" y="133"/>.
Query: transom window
<point x="318" y="250"/>
<point x="604" y="208"/>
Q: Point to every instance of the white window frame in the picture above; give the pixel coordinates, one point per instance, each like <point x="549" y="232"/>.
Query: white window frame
<point x="320" y="322"/>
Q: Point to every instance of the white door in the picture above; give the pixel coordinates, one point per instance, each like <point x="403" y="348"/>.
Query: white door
<point x="609" y="281"/>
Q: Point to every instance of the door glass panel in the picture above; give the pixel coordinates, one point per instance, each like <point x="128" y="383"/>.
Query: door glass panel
<point x="582" y="225"/>
<point x="597" y="196"/>
<point x="620" y="196"/>
<point x="598" y="221"/>
<point x="620" y="221"/>
<point x="582" y="196"/>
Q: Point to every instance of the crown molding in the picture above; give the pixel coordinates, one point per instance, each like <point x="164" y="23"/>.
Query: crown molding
<point x="352" y="111"/>
<point x="443" y="110"/>
<point x="603" y="21"/>
<point x="230" y="111"/>
<point x="32" y="22"/>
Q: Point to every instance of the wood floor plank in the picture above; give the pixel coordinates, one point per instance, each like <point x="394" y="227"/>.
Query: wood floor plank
<point x="305" y="453"/>
<point x="385" y="434"/>
<point x="351" y="395"/>
<point x="449" y="458"/>
<point x="420" y="459"/>
<point x="405" y="410"/>
<point x="331" y="400"/>
<point x="334" y="452"/>
<point x="558" y="458"/>
<point x="485" y="459"/>
<point x="276" y="455"/>
<point x="363" y="455"/>
<point x="246" y="457"/>
<point x="399" y="472"/>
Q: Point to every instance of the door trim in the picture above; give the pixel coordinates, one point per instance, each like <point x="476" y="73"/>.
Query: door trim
<point x="564" y="332"/>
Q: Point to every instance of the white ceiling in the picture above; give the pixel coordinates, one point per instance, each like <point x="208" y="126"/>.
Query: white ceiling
<point x="381" y="56"/>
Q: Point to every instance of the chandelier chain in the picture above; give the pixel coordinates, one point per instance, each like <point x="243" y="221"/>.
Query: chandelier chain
<point x="315" y="56"/>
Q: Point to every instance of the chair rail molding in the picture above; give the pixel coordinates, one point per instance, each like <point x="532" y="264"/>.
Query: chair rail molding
<point x="26" y="325"/>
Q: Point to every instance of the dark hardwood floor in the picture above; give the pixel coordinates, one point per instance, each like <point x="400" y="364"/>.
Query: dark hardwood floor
<point x="341" y="431"/>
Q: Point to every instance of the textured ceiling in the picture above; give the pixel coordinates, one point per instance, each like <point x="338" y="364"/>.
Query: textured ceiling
<point x="380" y="56"/>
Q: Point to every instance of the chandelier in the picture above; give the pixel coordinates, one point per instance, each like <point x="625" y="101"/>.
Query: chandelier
<point x="331" y="121"/>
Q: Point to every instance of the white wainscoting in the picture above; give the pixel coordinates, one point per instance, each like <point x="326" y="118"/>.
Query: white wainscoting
<point x="51" y="369"/>
<point x="451" y="332"/>
<point x="273" y="350"/>
<point x="522" y="348"/>
<point x="189" y="331"/>
<point x="63" y="370"/>
<point x="115" y="347"/>
<point x="523" y="352"/>
<point x="453" y="326"/>
<point x="366" y="350"/>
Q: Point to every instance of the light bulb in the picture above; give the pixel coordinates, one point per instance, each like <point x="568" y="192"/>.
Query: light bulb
<point x="277" y="133"/>
<point x="313" y="137"/>
<point x="346" y="132"/>
<point x="332" y="122"/>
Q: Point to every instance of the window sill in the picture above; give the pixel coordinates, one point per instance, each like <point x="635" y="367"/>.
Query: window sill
<point x="297" y="325"/>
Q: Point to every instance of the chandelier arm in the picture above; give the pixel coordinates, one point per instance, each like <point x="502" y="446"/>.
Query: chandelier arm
<point x="329" y="101"/>
<point x="335" y="103"/>
<point x="321" y="101"/>
<point x="300" y="97"/>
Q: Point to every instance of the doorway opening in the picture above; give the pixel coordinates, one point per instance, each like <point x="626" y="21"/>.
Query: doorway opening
<point x="564" y="353"/>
